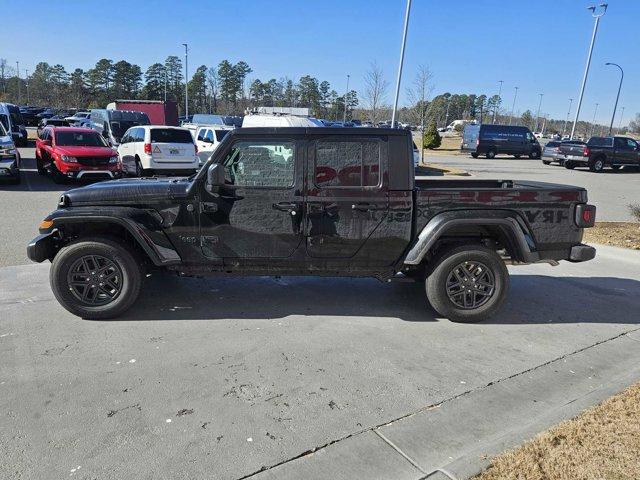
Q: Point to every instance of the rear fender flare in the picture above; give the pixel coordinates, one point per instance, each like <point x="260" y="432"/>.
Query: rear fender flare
<point x="520" y="239"/>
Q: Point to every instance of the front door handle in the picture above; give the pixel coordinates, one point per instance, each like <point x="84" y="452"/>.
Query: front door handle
<point x="361" y="207"/>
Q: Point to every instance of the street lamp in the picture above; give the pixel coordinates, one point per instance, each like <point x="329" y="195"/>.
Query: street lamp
<point x="586" y="69"/>
<point x="186" y="81"/>
<point x="564" y="127"/>
<point x="593" y="122"/>
<point x="404" y="41"/>
<point x="538" y="114"/>
<point x="26" y="71"/>
<point x="513" y="106"/>
<point x="620" y="122"/>
<point x="495" y="110"/>
<point x="344" y="117"/>
<point x="617" y="96"/>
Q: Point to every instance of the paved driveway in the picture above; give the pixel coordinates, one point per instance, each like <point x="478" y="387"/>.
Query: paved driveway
<point x="224" y="378"/>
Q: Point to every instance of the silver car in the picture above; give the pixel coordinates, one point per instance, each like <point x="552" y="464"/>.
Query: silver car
<point x="551" y="153"/>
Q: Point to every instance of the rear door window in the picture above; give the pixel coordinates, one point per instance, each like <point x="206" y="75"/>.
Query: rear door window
<point x="343" y="163"/>
<point x="170" y="135"/>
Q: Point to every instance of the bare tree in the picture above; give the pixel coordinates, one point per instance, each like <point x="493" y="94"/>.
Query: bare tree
<point x="419" y="94"/>
<point x="375" y="91"/>
<point x="213" y="84"/>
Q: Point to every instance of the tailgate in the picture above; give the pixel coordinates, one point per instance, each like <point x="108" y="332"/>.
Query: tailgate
<point x="173" y="152"/>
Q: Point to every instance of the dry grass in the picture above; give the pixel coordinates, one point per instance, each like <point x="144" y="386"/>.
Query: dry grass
<point x="602" y="443"/>
<point x="450" y="145"/>
<point x="619" y="234"/>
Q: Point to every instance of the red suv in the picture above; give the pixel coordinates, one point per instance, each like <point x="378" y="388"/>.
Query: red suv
<point x="75" y="153"/>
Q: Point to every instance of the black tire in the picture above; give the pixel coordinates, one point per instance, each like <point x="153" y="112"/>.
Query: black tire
<point x="123" y="278"/>
<point x="41" y="170"/>
<point x="546" y="162"/>
<point x="491" y="153"/>
<point x="474" y="155"/>
<point x="139" y="170"/>
<point x="534" y="154"/>
<point x="439" y="288"/>
<point x="597" y="164"/>
<point x="569" y="165"/>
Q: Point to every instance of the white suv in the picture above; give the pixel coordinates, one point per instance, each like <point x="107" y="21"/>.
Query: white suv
<point x="208" y="138"/>
<point x="157" y="148"/>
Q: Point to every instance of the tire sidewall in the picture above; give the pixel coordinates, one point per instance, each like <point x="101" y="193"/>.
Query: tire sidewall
<point x="436" y="283"/>
<point x="131" y="277"/>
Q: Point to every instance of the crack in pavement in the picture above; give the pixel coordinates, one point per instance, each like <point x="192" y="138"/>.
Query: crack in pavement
<point x="434" y="405"/>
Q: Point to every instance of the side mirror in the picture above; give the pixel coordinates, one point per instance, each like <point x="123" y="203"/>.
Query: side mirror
<point x="215" y="176"/>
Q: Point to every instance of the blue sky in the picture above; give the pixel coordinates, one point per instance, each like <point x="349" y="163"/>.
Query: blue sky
<point x="539" y="46"/>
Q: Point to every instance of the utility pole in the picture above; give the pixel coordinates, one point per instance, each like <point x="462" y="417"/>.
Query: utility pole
<point x="513" y="106"/>
<point x="18" y="78"/>
<point x="538" y="114"/>
<point x="495" y="110"/>
<point x="346" y="93"/>
<point x="620" y="122"/>
<point x="586" y="69"/>
<point x="617" y="96"/>
<point x="404" y="42"/>
<point x="186" y="81"/>
<point x="564" y="127"/>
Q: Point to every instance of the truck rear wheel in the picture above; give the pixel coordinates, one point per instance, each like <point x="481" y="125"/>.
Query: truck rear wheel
<point x="491" y="153"/>
<point x="95" y="278"/>
<point x="468" y="283"/>
<point x="597" y="164"/>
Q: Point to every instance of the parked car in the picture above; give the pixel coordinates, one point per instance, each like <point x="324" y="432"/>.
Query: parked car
<point x="69" y="153"/>
<point x="77" y="118"/>
<point x="9" y="158"/>
<point x="158" y="148"/>
<point x="29" y="115"/>
<point x="416" y="155"/>
<point x="602" y="152"/>
<point x="492" y="140"/>
<point x="310" y="201"/>
<point x="51" y="122"/>
<point x="208" y="138"/>
<point x="112" y="124"/>
<point x="13" y="123"/>
<point x="552" y="151"/>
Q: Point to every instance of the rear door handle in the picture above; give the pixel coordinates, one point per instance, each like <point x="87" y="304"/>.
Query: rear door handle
<point x="286" y="207"/>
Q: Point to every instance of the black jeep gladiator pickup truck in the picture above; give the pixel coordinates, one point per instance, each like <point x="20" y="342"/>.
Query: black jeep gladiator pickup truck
<point x="601" y="152"/>
<point x="310" y="201"/>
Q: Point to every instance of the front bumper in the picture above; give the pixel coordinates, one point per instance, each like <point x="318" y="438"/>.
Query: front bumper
<point x="9" y="167"/>
<point x="581" y="253"/>
<point x="41" y="248"/>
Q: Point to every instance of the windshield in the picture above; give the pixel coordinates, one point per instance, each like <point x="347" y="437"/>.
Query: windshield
<point x="204" y="119"/>
<point x="170" y="135"/>
<point x="5" y="121"/>
<point x="118" y="128"/>
<point x="80" y="139"/>
<point x="3" y="131"/>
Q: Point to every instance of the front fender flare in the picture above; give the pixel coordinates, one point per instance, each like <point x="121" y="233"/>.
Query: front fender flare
<point x="519" y="236"/>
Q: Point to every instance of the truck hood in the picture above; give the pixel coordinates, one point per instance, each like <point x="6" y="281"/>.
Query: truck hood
<point x="138" y="192"/>
<point x="77" y="151"/>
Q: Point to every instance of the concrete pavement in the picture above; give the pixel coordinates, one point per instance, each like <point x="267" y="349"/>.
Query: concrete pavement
<point x="304" y="377"/>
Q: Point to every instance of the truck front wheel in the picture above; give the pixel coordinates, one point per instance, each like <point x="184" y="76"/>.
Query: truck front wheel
<point x="95" y="278"/>
<point x="468" y="283"/>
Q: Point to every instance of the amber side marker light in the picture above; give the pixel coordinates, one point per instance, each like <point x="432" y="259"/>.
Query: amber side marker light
<point x="46" y="223"/>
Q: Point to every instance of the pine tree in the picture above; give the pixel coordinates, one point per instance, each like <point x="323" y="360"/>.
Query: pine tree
<point x="431" y="138"/>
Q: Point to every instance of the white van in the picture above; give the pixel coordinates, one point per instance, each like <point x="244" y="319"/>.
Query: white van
<point x="158" y="148"/>
<point x="279" y="121"/>
<point x="13" y="123"/>
<point x="208" y="137"/>
<point x="9" y="157"/>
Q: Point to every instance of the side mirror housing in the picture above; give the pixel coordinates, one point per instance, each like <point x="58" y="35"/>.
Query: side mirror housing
<point x="215" y="176"/>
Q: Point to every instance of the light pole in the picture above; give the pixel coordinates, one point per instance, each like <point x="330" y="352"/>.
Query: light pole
<point x="404" y="41"/>
<point x="586" y="69"/>
<point x="18" y="78"/>
<point x="593" y="122"/>
<point x="186" y="80"/>
<point x="617" y="96"/>
<point x="538" y="114"/>
<point x="564" y="127"/>
<point x="26" y="71"/>
<point x="165" y="84"/>
<point x="513" y="106"/>
<point x="620" y="122"/>
<point x="495" y="110"/>
<point x="344" y="117"/>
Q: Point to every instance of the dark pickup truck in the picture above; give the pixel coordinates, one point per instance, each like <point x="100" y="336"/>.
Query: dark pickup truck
<point x="601" y="152"/>
<point x="310" y="201"/>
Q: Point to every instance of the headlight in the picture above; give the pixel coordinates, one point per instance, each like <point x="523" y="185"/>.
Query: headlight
<point x="113" y="160"/>
<point x="7" y="151"/>
<point x="68" y="159"/>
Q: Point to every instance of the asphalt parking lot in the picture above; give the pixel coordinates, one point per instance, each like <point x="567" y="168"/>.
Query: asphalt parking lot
<point x="302" y="377"/>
